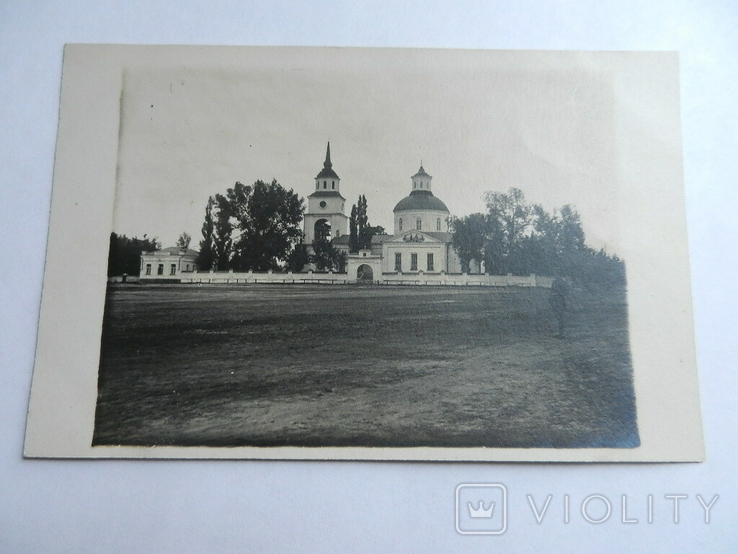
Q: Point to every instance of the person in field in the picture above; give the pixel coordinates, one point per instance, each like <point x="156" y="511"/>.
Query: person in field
<point x="559" y="300"/>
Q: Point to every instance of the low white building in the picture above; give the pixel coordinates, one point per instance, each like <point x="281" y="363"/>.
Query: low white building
<point x="167" y="265"/>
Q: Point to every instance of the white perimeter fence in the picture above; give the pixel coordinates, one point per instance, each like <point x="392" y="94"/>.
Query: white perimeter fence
<point x="463" y="279"/>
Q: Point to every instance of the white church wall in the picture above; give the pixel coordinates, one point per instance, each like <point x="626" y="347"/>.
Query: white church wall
<point x="430" y="221"/>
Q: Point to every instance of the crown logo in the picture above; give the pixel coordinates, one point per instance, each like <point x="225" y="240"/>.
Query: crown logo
<point x="480" y="511"/>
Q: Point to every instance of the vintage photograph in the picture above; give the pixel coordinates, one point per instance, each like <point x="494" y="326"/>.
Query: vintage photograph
<point x="374" y="254"/>
<point x="421" y="253"/>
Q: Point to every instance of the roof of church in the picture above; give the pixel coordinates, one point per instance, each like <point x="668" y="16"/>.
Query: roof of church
<point x="327" y="171"/>
<point x="343" y="239"/>
<point x="319" y="193"/>
<point x="420" y="200"/>
<point x="376" y="239"/>
<point x="421" y="172"/>
<point x="443" y="237"/>
<point x="175" y="250"/>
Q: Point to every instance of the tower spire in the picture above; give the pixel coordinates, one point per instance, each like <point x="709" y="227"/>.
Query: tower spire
<point x="327" y="162"/>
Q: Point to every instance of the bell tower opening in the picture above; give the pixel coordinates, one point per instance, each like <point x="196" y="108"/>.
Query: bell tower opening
<point x="322" y="230"/>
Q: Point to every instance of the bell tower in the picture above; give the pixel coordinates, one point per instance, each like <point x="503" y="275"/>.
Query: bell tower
<point x="325" y="218"/>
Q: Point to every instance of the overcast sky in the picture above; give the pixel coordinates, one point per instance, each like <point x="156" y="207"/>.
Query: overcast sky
<point x="480" y="121"/>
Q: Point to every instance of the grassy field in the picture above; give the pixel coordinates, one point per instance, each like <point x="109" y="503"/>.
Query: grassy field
<point x="275" y="365"/>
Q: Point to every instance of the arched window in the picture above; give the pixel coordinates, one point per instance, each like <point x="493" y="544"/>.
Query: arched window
<point x="438" y="224"/>
<point x="415" y="186"/>
<point x="399" y="225"/>
<point x="333" y="185"/>
<point x="322" y="230"/>
<point x="419" y="224"/>
<point x="325" y="184"/>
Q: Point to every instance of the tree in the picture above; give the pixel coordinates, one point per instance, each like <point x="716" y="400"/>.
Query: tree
<point x="470" y="234"/>
<point x="268" y="218"/>
<point x="376" y="230"/>
<point x="571" y="234"/>
<point x="183" y="242"/>
<point x="508" y="218"/>
<point x="205" y="257"/>
<point x="215" y="246"/>
<point x="124" y="255"/>
<point x="298" y="258"/>
<point x="353" y="231"/>
<point x="363" y="230"/>
<point x="222" y="230"/>
<point x="360" y="232"/>
<point x="327" y="257"/>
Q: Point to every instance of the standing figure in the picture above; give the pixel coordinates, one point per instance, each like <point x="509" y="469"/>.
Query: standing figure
<point x="558" y="299"/>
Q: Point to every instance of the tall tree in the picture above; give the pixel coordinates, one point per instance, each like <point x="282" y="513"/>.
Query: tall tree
<point x="353" y="231"/>
<point x="206" y="254"/>
<point x="360" y="231"/>
<point x="363" y="229"/>
<point x="267" y="217"/>
<point x="124" y="255"/>
<point x="223" y="228"/>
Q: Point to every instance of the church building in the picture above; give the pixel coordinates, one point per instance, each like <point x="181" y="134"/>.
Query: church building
<point x="420" y="243"/>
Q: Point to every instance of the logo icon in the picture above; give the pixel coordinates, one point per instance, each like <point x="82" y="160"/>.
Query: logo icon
<point x="475" y="509"/>
<point x="481" y="511"/>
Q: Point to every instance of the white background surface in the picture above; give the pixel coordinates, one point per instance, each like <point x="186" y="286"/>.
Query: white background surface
<point x="191" y="506"/>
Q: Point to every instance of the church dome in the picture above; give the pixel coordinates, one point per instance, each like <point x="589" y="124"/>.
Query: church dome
<point x="420" y="200"/>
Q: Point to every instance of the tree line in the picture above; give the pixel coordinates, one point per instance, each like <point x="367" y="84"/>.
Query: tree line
<point x="516" y="237"/>
<point x="258" y="227"/>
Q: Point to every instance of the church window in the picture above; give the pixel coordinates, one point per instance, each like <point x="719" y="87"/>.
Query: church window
<point x="398" y="261"/>
<point x="323" y="204"/>
<point x="413" y="262"/>
<point x="399" y="225"/>
<point x="173" y="269"/>
<point x="148" y="269"/>
<point x="419" y="224"/>
<point x="160" y="269"/>
<point x="438" y="224"/>
<point x="325" y="184"/>
<point x="333" y="184"/>
<point x="415" y="185"/>
<point x="430" y="262"/>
